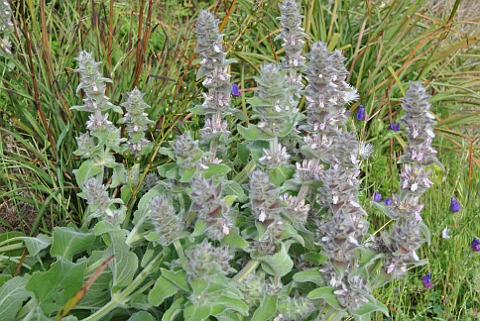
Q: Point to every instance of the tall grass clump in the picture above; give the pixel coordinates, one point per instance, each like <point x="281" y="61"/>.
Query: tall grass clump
<point x="258" y="208"/>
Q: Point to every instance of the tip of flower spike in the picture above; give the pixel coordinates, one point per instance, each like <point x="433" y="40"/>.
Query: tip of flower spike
<point x="455" y="205"/>
<point x="475" y="245"/>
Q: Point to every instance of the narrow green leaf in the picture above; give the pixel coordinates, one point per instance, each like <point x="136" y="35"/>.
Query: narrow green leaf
<point x="277" y="264"/>
<point x="36" y="244"/>
<point x="179" y="278"/>
<point x="216" y="169"/>
<point x="196" y="313"/>
<point x="311" y="275"/>
<point x="174" y="310"/>
<point x="233" y="239"/>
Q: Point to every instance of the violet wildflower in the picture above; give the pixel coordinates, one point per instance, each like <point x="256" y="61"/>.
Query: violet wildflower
<point x="388" y="201"/>
<point x="455" y="205"/>
<point x="361" y="113"/>
<point x="394" y="127"/>
<point x="426" y="281"/>
<point x="235" y="91"/>
<point x="475" y="245"/>
<point x="377" y="197"/>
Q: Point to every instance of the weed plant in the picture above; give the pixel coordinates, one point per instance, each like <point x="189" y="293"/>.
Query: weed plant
<point x="177" y="194"/>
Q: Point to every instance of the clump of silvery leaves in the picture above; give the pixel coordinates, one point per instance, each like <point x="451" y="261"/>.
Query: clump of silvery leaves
<point x="273" y="232"/>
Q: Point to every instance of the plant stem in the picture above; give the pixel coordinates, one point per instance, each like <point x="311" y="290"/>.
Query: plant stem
<point x="247" y="269"/>
<point x="121" y="298"/>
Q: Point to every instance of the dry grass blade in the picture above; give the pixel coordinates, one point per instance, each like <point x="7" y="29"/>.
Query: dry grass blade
<point x="73" y="301"/>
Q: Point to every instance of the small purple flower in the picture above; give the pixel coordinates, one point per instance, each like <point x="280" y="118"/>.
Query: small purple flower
<point x="455" y="205"/>
<point x="235" y="90"/>
<point x="475" y="245"/>
<point x="388" y="201"/>
<point x="426" y="281"/>
<point x="347" y="112"/>
<point x="394" y="127"/>
<point x="361" y="113"/>
<point x="377" y="197"/>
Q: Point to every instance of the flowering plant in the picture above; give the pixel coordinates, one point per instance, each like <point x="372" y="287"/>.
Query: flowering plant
<point x="283" y="238"/>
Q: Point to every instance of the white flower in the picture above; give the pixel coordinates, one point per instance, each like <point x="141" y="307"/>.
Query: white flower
<point x="445" y="233"/>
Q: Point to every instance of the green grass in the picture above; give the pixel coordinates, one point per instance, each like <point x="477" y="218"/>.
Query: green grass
<point x="150" y="44"/>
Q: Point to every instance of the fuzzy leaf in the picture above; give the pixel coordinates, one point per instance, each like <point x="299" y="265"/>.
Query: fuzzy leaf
<point x="125" y="263"/>
<point x="325" y="293"/>
<point x="279" y="175"/>
<point x="252" y="133"/>
<point x="12" y="296"/>
<point x="277" y="264"/>
<point x="216" y="169"/>
<point x="267" y="309"/>
<point x="56" y="286"/>
<point x="162" y="290"/>
<point x="234" y="188"/>
<point x="371" y="306"/>
<point x="142" y="316"/>
<point x="87" y="169"/>
<point x="311" y="275"/>
<point x="196" y="313"/>
<point x="233" y="239"/>
<point x="179" y="278"/>
<point x="36" y="244"/>
<point x="67" y="242"/>
<point x="174" y="310"/>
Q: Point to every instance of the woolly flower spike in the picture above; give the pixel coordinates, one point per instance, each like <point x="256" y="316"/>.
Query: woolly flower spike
<point x="274" y="157"/>
<point x="213" y="65"/>
<point x="94" y="85"/>
<point x="186" y="151"/>
<point x="455" y="205"/>
<point x="419" y="126"/>
<point x="426" y="281"/>
<point x="168" y="225"/>
<point x="296" y="308"/>
<point x="96" y="195"/>
<point x="327" y="91"/>
<point x="136" y="121"/>
<point x="264" y="200"/>
<point x="272" y="103"/>
<point x="207" y="262"/>
<point x="292" y="35"/>
<point x="5" y="16"/>
<point x="475" y="245"/>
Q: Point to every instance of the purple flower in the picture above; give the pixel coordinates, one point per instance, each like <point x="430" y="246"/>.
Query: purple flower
<point x="475" y="245"/>
<point x="394" y="127"/>
<point x="377" y="197"/>
<point x="347" y="112"/>
<point x="455" y="205"/>
<point x="426" y="281"/>
<point x="388" y="201"/>
<point x="361" y="113"/>
<point x="235" y="90"/>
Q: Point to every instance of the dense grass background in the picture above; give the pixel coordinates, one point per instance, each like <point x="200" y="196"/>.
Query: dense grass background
<point x="149" y="44"/>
